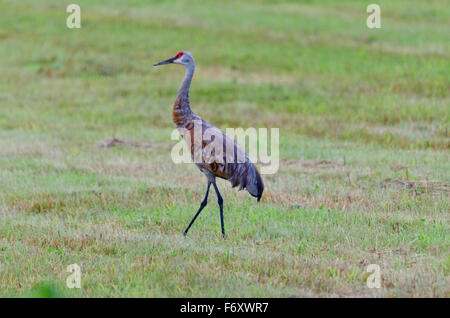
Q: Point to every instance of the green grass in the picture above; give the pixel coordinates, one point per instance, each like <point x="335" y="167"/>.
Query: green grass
<point x="364" y="145"/>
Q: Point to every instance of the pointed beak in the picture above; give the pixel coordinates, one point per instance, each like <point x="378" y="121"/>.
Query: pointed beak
<point x="168" y="61"/>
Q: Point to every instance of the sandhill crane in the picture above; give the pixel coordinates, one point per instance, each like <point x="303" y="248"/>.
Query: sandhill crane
<point x="226" y="164"/>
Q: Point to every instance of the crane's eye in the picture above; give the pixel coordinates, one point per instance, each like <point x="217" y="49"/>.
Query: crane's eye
<point x="180" y="54"/>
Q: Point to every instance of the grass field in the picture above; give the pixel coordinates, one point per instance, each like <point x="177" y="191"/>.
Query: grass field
<point x="364" y="176"/>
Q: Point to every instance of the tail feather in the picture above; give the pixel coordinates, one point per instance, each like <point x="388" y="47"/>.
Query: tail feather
<point x="248" y="177"/>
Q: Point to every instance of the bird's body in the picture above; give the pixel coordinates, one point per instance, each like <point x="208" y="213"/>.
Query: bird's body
<point x="232" y="163"/>
<point x="224" y="165"/>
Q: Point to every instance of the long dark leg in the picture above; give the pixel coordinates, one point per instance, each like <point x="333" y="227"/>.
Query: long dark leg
<point x="202" y="205"/>
<point x="220" y="201"/>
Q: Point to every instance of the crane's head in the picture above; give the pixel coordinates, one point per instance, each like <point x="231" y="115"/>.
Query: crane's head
<point x="183" y="57"/>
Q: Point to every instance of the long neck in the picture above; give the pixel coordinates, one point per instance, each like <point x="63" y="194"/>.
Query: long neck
<point x="181" y="108"/>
